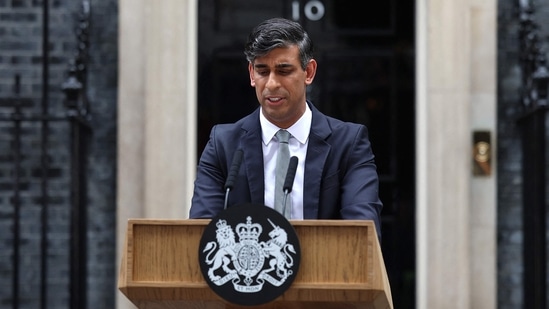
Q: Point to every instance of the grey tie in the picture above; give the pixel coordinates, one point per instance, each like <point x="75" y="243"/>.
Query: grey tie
<point x="282" y="161"/>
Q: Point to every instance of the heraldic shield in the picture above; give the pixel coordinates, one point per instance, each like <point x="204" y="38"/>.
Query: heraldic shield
<point x="249" y="254"/>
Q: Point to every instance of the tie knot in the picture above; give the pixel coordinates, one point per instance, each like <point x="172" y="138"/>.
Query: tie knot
<point x="283" y="136"/>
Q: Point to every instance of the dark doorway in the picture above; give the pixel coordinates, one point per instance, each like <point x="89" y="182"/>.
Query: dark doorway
<point x="365" y="74"/>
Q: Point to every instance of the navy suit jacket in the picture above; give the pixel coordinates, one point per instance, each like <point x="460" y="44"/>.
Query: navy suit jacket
<point x="340" y="178"/>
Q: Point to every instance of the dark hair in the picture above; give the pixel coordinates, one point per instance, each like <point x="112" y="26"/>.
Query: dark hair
<point x="278" y="32"/>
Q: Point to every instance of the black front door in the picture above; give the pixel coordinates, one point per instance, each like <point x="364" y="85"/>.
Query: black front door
<point x="365" y="54"/>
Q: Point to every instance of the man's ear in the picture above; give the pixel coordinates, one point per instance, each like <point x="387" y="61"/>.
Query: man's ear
<point x="310" y="70"/>
<point x="251" y="71"/>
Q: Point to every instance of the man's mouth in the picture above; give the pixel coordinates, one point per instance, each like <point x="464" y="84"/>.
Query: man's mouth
<point x="274" y="98"/>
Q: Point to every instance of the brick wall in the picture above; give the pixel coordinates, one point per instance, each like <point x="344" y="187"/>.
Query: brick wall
<point x="21" y="27"/>
<point x="509" y="160"/>
<point x="510" y="236"/>
<point x="102" y="91"/>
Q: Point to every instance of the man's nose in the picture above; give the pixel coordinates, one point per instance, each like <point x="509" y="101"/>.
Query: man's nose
<point x="272" y="81"/>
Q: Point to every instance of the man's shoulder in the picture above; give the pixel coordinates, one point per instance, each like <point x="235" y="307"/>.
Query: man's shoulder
<point x="332" y="121"/>
<point x="339" y="125"/>
<point x="243" y="124"/>
<point x="344" y="130"/>
<point x="224" y="130"/>
<point x="329" y="127"/>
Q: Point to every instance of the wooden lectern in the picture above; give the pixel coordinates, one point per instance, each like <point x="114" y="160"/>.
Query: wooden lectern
<point x="341" y="267"/>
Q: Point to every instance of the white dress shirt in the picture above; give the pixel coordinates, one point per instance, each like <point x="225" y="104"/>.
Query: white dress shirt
<point x="298" y="143"/>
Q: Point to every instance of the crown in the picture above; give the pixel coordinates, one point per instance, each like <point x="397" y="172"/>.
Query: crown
<point x="249" y="231"/>
<point x="221" y="224"/>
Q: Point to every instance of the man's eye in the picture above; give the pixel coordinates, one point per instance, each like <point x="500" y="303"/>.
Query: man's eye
<point x="262" y="73"/>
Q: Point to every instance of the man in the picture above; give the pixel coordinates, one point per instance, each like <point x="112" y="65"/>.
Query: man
<point x="336" y="176"/>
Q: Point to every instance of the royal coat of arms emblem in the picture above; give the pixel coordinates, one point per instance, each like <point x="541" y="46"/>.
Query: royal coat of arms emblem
<point x="258" y="252"/>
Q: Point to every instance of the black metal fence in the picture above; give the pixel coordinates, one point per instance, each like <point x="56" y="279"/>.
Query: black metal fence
<point x="33" y="123"/>
<point x="532" y="122"/>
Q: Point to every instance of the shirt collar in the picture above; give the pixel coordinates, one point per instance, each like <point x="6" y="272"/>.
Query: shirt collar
<point x="299" y="130"/>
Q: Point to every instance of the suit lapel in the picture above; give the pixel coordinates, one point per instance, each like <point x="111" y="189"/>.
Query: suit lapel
<point x="253" y="157"/>
<point x="317" y="153"/>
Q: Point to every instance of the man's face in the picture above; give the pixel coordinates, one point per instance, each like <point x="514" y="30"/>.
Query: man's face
<point x="280" y="84"/>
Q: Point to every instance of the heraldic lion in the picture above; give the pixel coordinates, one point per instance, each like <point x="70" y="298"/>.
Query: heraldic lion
<point x="226" y="240"/>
